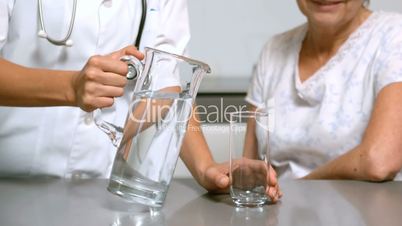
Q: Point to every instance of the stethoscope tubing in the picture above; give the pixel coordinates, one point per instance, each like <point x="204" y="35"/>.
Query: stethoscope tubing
<point x="66" y="41"/>
<point x="142" y="23"/>
<point x="43" y="33"/>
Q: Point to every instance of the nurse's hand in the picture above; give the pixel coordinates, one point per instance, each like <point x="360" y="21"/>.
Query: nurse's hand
<point x="216" y="180"/>
<point x="102" y="79"/>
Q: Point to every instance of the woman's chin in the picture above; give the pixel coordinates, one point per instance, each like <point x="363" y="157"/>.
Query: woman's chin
<point x="326" y="20"/>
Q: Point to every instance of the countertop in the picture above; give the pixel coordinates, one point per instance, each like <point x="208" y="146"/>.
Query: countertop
<point x="54" y="202"/>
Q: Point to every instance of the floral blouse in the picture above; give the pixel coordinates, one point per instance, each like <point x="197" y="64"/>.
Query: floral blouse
<point x="325" y="116"/>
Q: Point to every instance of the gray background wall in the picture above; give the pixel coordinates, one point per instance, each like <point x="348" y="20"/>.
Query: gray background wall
<point x="228" y="34"/>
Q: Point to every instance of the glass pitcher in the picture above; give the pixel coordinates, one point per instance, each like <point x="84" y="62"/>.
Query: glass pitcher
<point x="149" y="144"/>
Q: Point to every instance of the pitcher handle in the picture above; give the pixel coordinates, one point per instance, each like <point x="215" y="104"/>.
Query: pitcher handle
<point x="115" y="133"/>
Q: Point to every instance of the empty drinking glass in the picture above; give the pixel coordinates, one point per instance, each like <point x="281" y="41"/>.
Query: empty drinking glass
<point x="249" y="158"/>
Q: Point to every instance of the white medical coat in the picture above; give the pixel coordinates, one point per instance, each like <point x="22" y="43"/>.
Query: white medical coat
<point x="64" y="141"/>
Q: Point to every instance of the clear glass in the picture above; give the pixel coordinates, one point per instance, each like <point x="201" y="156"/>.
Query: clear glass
<point x="149" y="144"/>
<point x="249" y="158"/>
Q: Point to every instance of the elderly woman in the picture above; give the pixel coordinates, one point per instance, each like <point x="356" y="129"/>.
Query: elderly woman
<point x="334" y="87"/>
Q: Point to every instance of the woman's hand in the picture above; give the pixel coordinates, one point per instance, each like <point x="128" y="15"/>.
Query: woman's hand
<point x="216" y="179"/>
<point x="102" y="79"/>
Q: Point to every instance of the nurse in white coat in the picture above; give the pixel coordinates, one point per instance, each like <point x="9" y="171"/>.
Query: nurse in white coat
<point x="64" y="141"/>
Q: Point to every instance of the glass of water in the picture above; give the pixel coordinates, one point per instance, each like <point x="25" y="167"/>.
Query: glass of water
<point x="249" y="158"/>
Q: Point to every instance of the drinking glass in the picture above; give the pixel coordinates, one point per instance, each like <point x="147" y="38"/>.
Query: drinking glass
<point x="249" y="158"/>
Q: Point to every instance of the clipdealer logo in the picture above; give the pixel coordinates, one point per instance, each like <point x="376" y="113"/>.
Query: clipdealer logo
<point x="165" y="112"/>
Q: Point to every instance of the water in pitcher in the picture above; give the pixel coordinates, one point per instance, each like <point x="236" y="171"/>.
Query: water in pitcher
<point x="147" y="156"/>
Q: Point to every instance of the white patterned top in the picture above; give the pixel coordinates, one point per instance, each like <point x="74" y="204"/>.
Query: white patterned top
<point x="326" y="115"/>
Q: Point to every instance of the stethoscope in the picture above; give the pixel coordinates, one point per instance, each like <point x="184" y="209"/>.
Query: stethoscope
<point x="66" y="41"/>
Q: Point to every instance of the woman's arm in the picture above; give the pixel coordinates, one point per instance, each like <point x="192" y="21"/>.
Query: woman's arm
<point x="379" y="156"/>
<point x="95" y="86"/>
<point x="197" y="157"/>
<point x="21" y="86"/>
